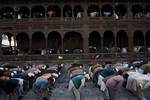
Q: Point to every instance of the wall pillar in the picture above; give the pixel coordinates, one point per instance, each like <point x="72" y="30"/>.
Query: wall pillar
<point x="46" y="40"/>
<point x="30" y="13"/>
<point x="0" y="44"/>
<point x="115" y="41"/>
<point x="115" y="37"/>
<point x="62" y="43"/>
<point x="15" y="46"/>
<point x="102" y="39"/>
<point x="129" y="12"/>
<point x="144" y="40"/>
<point x="102" y="46"/>
<point x="62" y="46"/>
<point x="130" y="38"/>
<point x="85" y="44"/>
<point x="130" y="43"/>
<point x="85" y="39"/>
<point x="30" y="43"/>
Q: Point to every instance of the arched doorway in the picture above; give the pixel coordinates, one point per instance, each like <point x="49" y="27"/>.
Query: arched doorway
<point x="38" y="42"/>
<point x="94" y="42"/>
<point x="108" y="39"/>
<point x="54" y="42"/>
<point x="23" y="43"/>
<point x="148" y="39"/>
<point x="73" y="42"/>
<point x="122" y="39"/>
<point x="138" y="39"/>
<point x="8" y="44"/>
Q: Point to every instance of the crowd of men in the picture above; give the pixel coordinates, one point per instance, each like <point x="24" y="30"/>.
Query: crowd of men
<point x="16" y="81"/>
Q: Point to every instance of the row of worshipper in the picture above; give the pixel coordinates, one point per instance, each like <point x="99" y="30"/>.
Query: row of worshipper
<point x="77" y="79"/>
<point x="139" y="65"/>
<point x="139" y="78"/>
<point x="107" y="79"/>
<point x="16" y="81"/>
<point x="111" y="77"/>
<point x="45" y="81"/>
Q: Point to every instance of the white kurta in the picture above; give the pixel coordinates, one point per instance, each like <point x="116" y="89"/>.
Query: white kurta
<point x="136" y="80"/>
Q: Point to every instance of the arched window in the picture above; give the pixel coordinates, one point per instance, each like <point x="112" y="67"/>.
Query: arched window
<point x="67" y="11"/>
<point x="7" y="12"/>
<point x="137" y="10"/>
<point x="22" y="12"/>
<point x="78" y="11"/>
<point x="107" y="10"/>
<point x="93" y="11"/>
<point x="147" y="11"/>
<point x="120" y="10"/>
<point x="53" y="11"/>
<point x="38" y="12"/>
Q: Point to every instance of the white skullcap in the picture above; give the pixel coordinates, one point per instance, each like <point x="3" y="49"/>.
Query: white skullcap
<point x="70" y="75"/>
<point x="6" y="68"/>
<point x="54" y="74"/>
<point x="84" y="72"/>
<point x="12" y="74"/>
<point x="36" y="72"/>
<point x="1" y="68"/>
<point x="30" y="74"/>
<point x="59" y="73"/>
<point x="54" y="80"/>
<point x="87" y="76"/>
<point x="61" y="64"/>
<point x="22" y="70"/>
<point x="15" y="72"/>
<point x="44" y="67"/>
<point x="131" y="67"/>
<point x="117" y="69"/>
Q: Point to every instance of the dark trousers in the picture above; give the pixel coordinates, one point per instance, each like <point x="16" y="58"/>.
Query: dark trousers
<point x="112" y="93"/>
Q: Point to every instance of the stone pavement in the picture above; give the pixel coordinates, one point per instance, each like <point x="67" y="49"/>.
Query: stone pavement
<point x="89" y="92"/>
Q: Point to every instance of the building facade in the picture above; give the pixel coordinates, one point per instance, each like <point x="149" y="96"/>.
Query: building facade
<point x="74" y="26"/>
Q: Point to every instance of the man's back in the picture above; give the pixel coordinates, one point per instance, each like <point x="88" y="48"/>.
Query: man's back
<point x="115" y="82"/>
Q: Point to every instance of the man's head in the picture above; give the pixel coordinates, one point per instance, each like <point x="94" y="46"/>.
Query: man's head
<point x="120" y="72"/>
<point x="125" y="76"/>
<point x="50" y="80"/>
